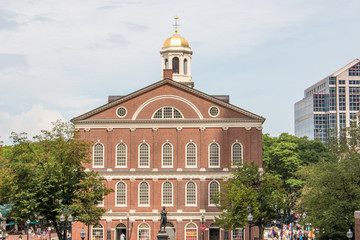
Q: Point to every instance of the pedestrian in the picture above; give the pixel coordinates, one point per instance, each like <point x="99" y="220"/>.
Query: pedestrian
<point x="122" y="236"/>
<point x="20" y="237"/>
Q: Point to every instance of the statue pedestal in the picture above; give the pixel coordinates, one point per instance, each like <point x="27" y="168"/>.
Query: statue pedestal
<point x="162" y="236"/>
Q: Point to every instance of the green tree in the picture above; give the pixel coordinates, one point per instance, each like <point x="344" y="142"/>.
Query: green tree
<point x="46" y="173"/>
<point x="249" y="187"/>
<point x="331" y="190"/>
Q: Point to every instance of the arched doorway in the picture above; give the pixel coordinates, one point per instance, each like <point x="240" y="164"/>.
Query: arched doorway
<point x="170" y="230"/>
<point x="120" y="228"/>
<point x="214" y="232"/>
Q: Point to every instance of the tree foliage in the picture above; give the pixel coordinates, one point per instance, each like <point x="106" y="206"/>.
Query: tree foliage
<point x="42" y="175"/>
<point x="249" y="187"/>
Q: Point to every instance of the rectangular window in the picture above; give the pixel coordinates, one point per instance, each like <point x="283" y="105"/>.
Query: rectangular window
<point x="342" y="99"/>
<point x="354" y="93"/>
<point x="342" y="82"/>
<point x="342" y="120"/>
<point x="238" y="234"/>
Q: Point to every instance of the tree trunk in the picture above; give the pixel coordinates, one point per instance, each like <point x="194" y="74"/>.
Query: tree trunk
<point x="261" y="231"/>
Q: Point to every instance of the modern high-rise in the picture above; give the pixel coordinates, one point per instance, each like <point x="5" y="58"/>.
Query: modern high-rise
<point x="330" y="104"/>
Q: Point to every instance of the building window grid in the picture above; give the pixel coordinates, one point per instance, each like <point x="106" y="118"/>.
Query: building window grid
<point x="144" y="155"/>
<point x="97" y="232"/>
<point x="332" y="121"/>
<point x="342" y="120"/>
<point x="354" y="98"/>
<point x="191" y="155"/>
<point x="191" y="231"/>
<point x="236" y="153"/>
<point x="332" y="99"/>
<point x="354" y="82"/>
<point x="167" y="113"/>
<point x="355" y="70"/>
<point x="121" y="155"/>
<point x="98" y="158"/>
<point x="144" y="231"/>
<point x="342" y="99"/>
<point x="167" y="194"/>
<point x="319" y="102"/>
<point x="167" y="155"/>
<point x="191" y="194"/>
<point x="144" y="199"/>
<point x="320" y="126"/>
<point x="214" y="155"/>
<point x="121" y="194"/>
<point x="214" y="188"/>
<point x="237" y="234"/>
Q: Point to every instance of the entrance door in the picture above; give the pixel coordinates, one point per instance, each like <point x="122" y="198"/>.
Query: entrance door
<point x="120" y="229"/>
<point x="214" y="233"/>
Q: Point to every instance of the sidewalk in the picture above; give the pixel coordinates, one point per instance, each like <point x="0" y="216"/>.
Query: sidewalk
<point x="33" y="237"/>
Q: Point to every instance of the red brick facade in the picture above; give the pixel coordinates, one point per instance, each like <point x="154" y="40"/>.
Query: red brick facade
<point x="138" y="125"/>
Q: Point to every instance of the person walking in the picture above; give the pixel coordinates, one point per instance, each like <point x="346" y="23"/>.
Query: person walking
<point x="122" y="236"/>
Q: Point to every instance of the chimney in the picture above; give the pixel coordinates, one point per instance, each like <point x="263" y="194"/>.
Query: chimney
<point x="168" y="73"/>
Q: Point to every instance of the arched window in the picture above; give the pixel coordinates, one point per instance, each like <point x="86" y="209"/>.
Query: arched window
<point x="236" y="153"/>
<point x="98" y="155"/>
<point x="237" y="234"/>
<point x="191" y="231"/>
<point x="168" y="113"/>
<point x="190" y="194"/>
<point x="167" y="194"/>
<point x="144" y="231"/>
<point x="175" y="65"/>
<point x="144" y="155"/>
<point x="190" y="154"/>
<point x="166" y="64"/>
<point x="144" y="197"/>
<point x="185" y="66"/>
<point x="120" y="194"/>
<point x="97" y="232"/>
<point x="167" y="155"/>
<point x="214" y="155"/>
<point x="214" y="188"/>
<point x="121" y="155"/>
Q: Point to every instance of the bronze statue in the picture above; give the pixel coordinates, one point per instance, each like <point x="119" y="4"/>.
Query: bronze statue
<point x="163" y="220"/>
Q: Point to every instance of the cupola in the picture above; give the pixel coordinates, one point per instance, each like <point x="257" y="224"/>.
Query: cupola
<point x="176" y="55"/>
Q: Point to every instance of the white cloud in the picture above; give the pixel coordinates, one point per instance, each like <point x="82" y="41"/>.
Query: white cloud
<point x="31" y="122"/>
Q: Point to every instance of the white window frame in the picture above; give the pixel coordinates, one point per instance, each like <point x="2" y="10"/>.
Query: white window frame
<point x="232" y="233"/>
<point x="116" y="154"/>
<point x="186" y="155"/>
<point x="217" y="166"/>
<point x="186" y="194"/>
<point x="232" y="153"/>
<point x="172" y="194"/>
<point x="116" y="194"/>
<point x="148" y="166"/>
<point x="209" y="193"/>
<point x="138" y="230"/>
<point x="197" y="231"/>
<point x="148" y="193"/>
<point x="92" y="230"/>
<point x="162" y="113"/>
<point x="103" y="155"/>
<point x="162" y="155"/>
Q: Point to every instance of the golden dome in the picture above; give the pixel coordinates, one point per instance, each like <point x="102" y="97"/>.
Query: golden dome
<point x="176" y="41"/>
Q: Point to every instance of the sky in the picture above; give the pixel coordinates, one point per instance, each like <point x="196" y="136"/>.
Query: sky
<point x="60" y="59"/>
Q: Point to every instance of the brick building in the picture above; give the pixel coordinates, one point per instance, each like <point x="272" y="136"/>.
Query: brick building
<point x="170" y="145"/>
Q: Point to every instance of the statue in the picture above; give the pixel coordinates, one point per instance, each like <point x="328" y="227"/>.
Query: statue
<point x="163" y="220"/>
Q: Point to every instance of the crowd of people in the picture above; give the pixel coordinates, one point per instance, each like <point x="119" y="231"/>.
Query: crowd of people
<point x="296" y="233"/>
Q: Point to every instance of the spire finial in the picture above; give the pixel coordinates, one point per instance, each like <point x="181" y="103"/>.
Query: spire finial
<point x="176" y="23"/>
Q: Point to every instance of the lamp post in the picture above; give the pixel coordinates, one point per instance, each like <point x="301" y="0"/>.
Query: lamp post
<point x="83" y="234"/>
<point x="250" y="219"/>
<point x="66" y="221"/>
<point x="202" y="223"/>
<point x="291" y="223"/>
<point x="27" y="230"/>
<point x="281" y="223"/>
<point x="349" y="234"/>
<point x="127" y="226"/>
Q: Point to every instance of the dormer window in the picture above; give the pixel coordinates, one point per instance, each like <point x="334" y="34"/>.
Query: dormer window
<point x="167" y="113"/>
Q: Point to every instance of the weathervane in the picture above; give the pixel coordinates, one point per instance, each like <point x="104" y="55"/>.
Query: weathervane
<point x="176" y="23"/>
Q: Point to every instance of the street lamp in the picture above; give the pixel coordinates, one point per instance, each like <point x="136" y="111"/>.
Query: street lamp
<point x="281" y="223"/>
<point x="250" y="219"/>
<point x="83" y="234"/>
<point x="291" y="223"/>
<point x="349" y="234"/>
<point x="127" y="226"/>
<point x="202" y="223"/>
<point x="66" y="221"/>
<point x="27" y="230"/>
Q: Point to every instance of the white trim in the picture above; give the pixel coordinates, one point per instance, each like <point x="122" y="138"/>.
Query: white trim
<point x="103" y="155"/>
<point x="116" y="194"/>
<point x="186" y="194"/>
<point x="138" y="230"/>
<point x="166" y="97"/>
<point x="116" y="155"/>
<point x="209" y="197"/>
<point x="148" y="155"/>
<point x="232" y="233"/>
<point x="162" y="155"/>
<point x="186" y="151"/>
<point x="209" y="155"/>
<point x="172" y="194"/>
<point x="210" y="112"/>
<point x="102" y="228"/>
<point x="232" y="153"/>
<point x="118" y="114"/>
<point x="144" y="205"/>
<point x="197" y="227"/>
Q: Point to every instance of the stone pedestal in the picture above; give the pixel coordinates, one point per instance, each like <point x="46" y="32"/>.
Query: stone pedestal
<point x="162" y="236"/>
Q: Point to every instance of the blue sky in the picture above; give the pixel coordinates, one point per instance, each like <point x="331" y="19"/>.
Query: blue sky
<point x="59" y="59"/>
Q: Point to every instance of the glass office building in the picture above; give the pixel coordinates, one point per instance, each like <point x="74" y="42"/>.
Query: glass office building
<point x="330" y="104"/>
